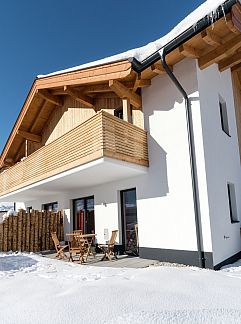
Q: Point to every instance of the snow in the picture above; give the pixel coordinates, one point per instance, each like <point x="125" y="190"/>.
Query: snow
<point x="5" y="206"/>
<point x="36" y="289"/>
<point x="207" y="8"/>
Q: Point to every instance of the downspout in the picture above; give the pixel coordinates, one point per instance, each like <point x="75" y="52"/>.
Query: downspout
<point x="161" y="54"/>
<point x="192" y="158"/>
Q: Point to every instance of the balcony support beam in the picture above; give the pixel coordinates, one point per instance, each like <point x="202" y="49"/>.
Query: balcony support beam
<point x="124" y="92"/>
<point x="126" y="109"/>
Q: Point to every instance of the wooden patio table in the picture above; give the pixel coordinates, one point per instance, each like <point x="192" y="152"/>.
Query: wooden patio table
<point x="88" y="238"/>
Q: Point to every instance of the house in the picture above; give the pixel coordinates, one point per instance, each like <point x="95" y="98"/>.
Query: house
<point x="149" y="137"/>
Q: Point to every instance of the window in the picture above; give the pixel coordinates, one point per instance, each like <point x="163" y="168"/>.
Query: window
<point x="53" y="206"/>
<point x="119" y="112"/>
<point x="223" y="115"/>
<point x="232" y="203"/>
<point x="29" y="209"/>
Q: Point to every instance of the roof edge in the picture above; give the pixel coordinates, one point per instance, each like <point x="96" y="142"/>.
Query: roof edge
<point x="189" y="33"/>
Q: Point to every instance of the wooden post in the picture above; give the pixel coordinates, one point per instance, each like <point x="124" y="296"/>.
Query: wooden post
<point x="5" y="235"/>
<point x="40" y="220"/>
<point x="26" y="148"/>
<point x="27" y="229"/>
<point x="126" y="110"/>
<point x="20" y="225"/>
<point x="1" y="237"/>
<point x="10" y="233"/>
<point x="47" y="229"/>
<point x="36" y="223"/>
<point x="51" y="245"/>
<point x="24" y="223"/>
<point x="15" y="233"/>
<point x="43" y="231"/>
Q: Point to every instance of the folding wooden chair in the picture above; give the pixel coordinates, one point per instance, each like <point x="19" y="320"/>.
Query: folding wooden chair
<point x="77" y="246"/>
<point x="58" y="247"/>
<point x="108" y="249"/>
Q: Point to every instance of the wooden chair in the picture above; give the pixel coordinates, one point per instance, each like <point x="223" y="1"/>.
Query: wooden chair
<point x="137" y="238"/>
<point x="77" y="232"/>
<point x="108" y="249"/>
<point x="77" y="246"/>
<point x="58" y="247"/>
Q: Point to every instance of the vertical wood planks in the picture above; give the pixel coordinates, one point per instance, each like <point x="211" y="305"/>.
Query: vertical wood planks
<point x="30" y="232"/>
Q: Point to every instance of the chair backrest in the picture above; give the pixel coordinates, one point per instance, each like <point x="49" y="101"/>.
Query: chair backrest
<point x="113" y="237"/>
<point x="78" y="232"/>
<point x="55" y="239"/>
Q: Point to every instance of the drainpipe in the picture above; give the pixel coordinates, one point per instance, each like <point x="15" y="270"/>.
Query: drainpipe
<point x="192" y="158"/>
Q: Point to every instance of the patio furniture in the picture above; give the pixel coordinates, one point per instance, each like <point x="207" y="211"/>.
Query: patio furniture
<point x="137" y="238"/>
<point x="89" y="239"/>
<point x="77" y="232"/>
<point x="77" y="246"/>
<point x="108" y="249"/>
<point x="58" y="247"/>
<point x="80" y="244"/>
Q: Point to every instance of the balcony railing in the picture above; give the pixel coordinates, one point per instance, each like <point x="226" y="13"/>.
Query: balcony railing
<point x="103" y="135"/>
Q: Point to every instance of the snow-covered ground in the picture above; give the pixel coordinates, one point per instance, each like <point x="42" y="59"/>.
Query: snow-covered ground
<point x="34" y="289"/>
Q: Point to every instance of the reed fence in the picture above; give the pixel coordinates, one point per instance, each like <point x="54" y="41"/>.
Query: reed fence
<point x="30" y="232"/>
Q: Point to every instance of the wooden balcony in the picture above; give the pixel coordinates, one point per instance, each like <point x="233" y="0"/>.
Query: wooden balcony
<point x="103" y="135"/>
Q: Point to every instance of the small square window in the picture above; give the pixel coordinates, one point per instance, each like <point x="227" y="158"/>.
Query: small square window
<point x="223" y="115"/>
<point x="232" y="203"/>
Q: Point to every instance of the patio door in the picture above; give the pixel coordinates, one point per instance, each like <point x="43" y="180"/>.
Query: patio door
<point x="129" y="221"/>
<point x="84" y="216"/>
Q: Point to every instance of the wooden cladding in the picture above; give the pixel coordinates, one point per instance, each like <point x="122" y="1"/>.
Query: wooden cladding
<point x="103" y="135"/>
<point x="30" y="232"/>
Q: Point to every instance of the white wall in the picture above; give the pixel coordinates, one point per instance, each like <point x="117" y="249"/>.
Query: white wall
<point x="164" y="195"/>
<point x="221" y="159"/>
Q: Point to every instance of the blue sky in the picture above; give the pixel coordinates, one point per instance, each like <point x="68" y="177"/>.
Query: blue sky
<point x="39" y="37"/>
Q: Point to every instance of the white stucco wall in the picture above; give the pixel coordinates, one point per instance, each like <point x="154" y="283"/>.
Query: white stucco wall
<point x="164" y="194"/>
<point x="221" y="159"/>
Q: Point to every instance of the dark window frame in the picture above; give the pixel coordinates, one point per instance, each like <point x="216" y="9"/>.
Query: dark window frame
<point x="232" y="203"/>
<point x="224" y="116"/>
<point x="51" y="204"/>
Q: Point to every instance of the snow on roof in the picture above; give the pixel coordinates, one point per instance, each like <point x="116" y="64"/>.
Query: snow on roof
<point x="209" y="8"/>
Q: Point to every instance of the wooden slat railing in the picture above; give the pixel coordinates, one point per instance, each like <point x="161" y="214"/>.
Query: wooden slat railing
<point x="103" y="135"/>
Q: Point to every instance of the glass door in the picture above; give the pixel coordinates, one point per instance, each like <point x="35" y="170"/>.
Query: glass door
<point x="129" y="221"/>
<point x="84" y="217"/>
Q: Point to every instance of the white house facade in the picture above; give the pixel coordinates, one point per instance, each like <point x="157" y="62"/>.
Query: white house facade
<point x="182" y="186"/>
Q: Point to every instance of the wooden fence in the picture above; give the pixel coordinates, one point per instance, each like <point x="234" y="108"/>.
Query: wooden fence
<point x="30" y="232"/>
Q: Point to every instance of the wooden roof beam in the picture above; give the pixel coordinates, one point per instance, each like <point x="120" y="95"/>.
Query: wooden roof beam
<point x="211" y="38"/>
<point x="220" y="53"/>
<point x="79" y="96"/>
<point x="236" y="68"/>
<point x="46" y="95"/>
<point x="230" y="24"/>
<point x="229" y="62"/>
<point x="124" y="92"/>
<point x="30" y="136"/>
<point x="7" y="164"/>
<point x="140" y="83"/>
<point x="189" y="51"/>
<point x="159" y="69"/>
